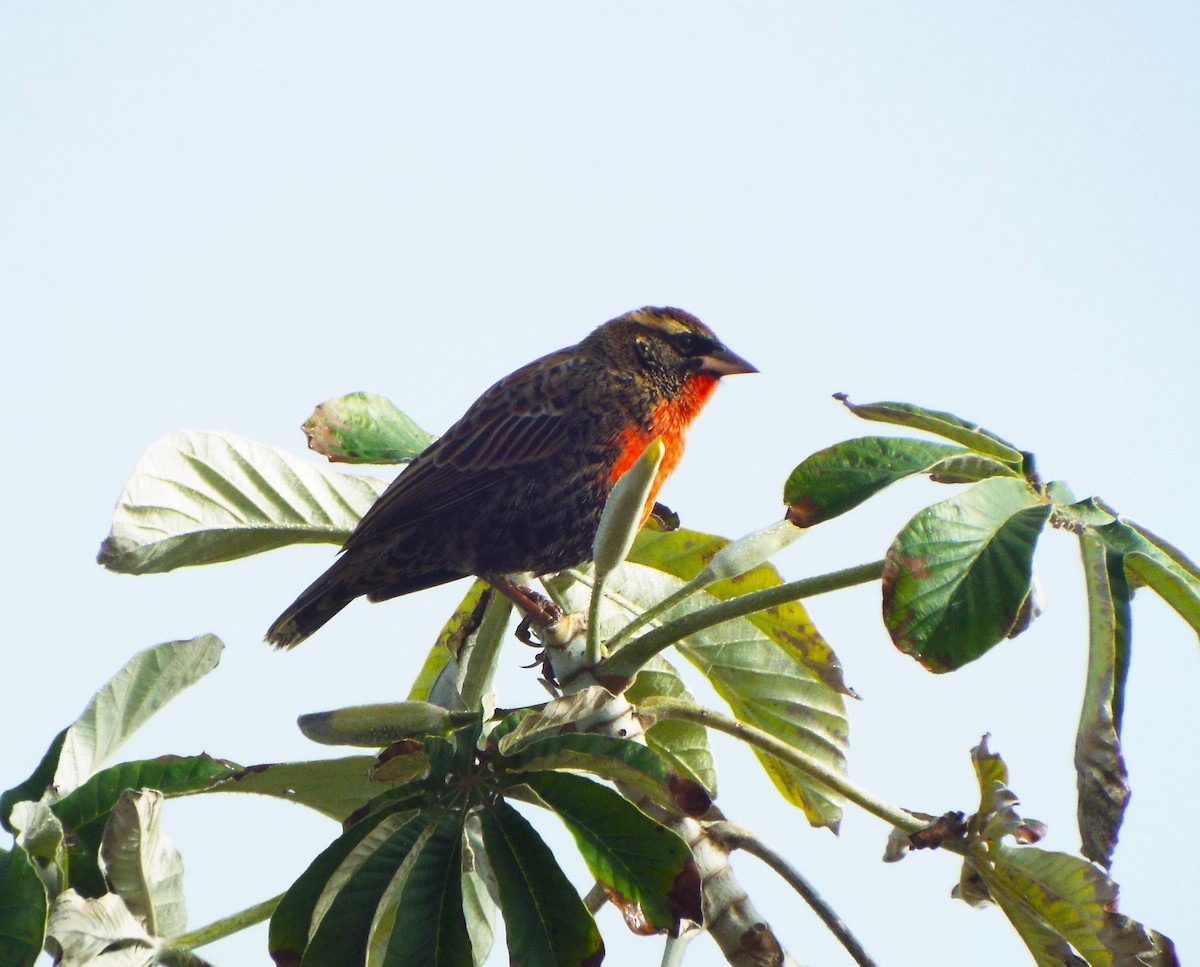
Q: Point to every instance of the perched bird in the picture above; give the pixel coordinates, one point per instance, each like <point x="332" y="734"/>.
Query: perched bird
<point x="519" y="482"/>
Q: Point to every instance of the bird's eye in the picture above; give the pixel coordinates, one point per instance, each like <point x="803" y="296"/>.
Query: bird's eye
<point x="689" y="343"/>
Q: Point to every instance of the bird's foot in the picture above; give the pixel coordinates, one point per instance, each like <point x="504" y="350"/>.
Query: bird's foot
<point x="540" y="611"/>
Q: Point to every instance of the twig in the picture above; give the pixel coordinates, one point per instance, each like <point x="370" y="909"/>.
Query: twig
<point x="626" y="663"/>
<point x="673" y="708"/>
<point x="226" y="926"/>
<point x="735" y="836"/>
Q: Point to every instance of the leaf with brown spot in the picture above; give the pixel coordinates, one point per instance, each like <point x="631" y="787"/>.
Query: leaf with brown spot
<point x="958" y="574"/>
<point x="364" y="428"/>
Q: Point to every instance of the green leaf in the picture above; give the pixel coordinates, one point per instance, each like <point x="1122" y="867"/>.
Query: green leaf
<point x="684" y="553"/>
<point x="1151" y="561"/>
<point x="958" y="574"/>
<point x="647" y="868"/>
<point x="292" y="918"/>
<point x="23" y="909"/>
<point x="453" y="638"/>
<point x="620" y="760"/>
<point x="205" y="497"/>
<point x="150" y="679"/>
<point x="334" y="787"/>
<point x="1100" y="769"/>
<point x="946" y="425"/>
<point x="36" y="785"/>
<point x="345" y="910"/>
<point x="763" y="684"/>
<point x="85" y="811"/>
<point x="364" y="428"/>
<point x="420" y="919"/>
<point x="683" y="744"/>
<point x="839" y="478"/>
<point x="546" y="922"/>
<point x="142" y="864"/>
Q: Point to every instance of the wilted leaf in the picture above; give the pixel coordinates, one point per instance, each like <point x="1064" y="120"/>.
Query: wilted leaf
<point x="1100" y="769"/>
<point x="546" y="922"/>
<point x="582" y="711"/>
<point x="85" y="811"/>
<point x="684" y="553"/>
<point x="98" y="933"/>
<point x="142" y="864"/>
<point x="946" y="425"/>
<point x="839" y="478"/>
<point x="205" y="497"/>
<point x="364" y="428"/>
<point x="1060" y="905"/>
<point x="958" y="574"/>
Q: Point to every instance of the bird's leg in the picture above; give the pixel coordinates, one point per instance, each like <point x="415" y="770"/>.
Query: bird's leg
<point x="539" y="610"/>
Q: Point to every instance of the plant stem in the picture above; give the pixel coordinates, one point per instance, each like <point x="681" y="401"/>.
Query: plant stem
<point x="735" y="836"/>
<point x="481" y="662"/>
<point x="226" y="926"/>
<point x="673" y="708"/>
<point x="626" y="663"/>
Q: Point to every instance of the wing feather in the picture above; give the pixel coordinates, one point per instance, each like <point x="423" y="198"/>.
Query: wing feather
<point x="519" y="421"/>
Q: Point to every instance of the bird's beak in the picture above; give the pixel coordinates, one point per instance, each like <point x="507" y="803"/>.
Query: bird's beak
<point x="723" y="362"/>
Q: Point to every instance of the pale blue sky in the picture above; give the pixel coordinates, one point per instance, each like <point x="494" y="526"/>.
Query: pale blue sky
<point x="217" y="215"/>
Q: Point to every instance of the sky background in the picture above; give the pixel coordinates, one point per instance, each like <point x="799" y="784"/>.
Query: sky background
<point x="214" y="216"/>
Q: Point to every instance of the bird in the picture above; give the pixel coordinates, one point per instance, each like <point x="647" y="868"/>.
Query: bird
<point x="517" y="485"/>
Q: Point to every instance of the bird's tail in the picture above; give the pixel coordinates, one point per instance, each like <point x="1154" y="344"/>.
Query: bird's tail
<point x="319" y="602"/>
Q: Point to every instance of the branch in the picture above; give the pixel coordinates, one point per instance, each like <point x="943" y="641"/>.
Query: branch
<point x="734" y="836"/>
<point x="673" y="708"/>
<point x="625" y="664"/>
<point x="226" y="926"/>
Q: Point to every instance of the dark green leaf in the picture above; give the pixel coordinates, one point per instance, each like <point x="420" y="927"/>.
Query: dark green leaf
<point x="345" y="909"/>
<point x="939" y="423"/>
<point x="292" y="918"/>
<point x="546" y="922"/>
<point x="364" y="428"/>
<point x="839" y="478"/>
<point x="1100" y="769"/>
<point x="647" y="868"/>
<point x="620" y="760"/>
<point x="419" y="921"/>
<point x="33" y="787"/>
<point x="204" y="497"/>
<point x="958" y="574"/>
<point x="23" y="909"/>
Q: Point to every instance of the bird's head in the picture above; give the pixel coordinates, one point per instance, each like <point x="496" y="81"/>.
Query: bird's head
<point x="667" y="346"/>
